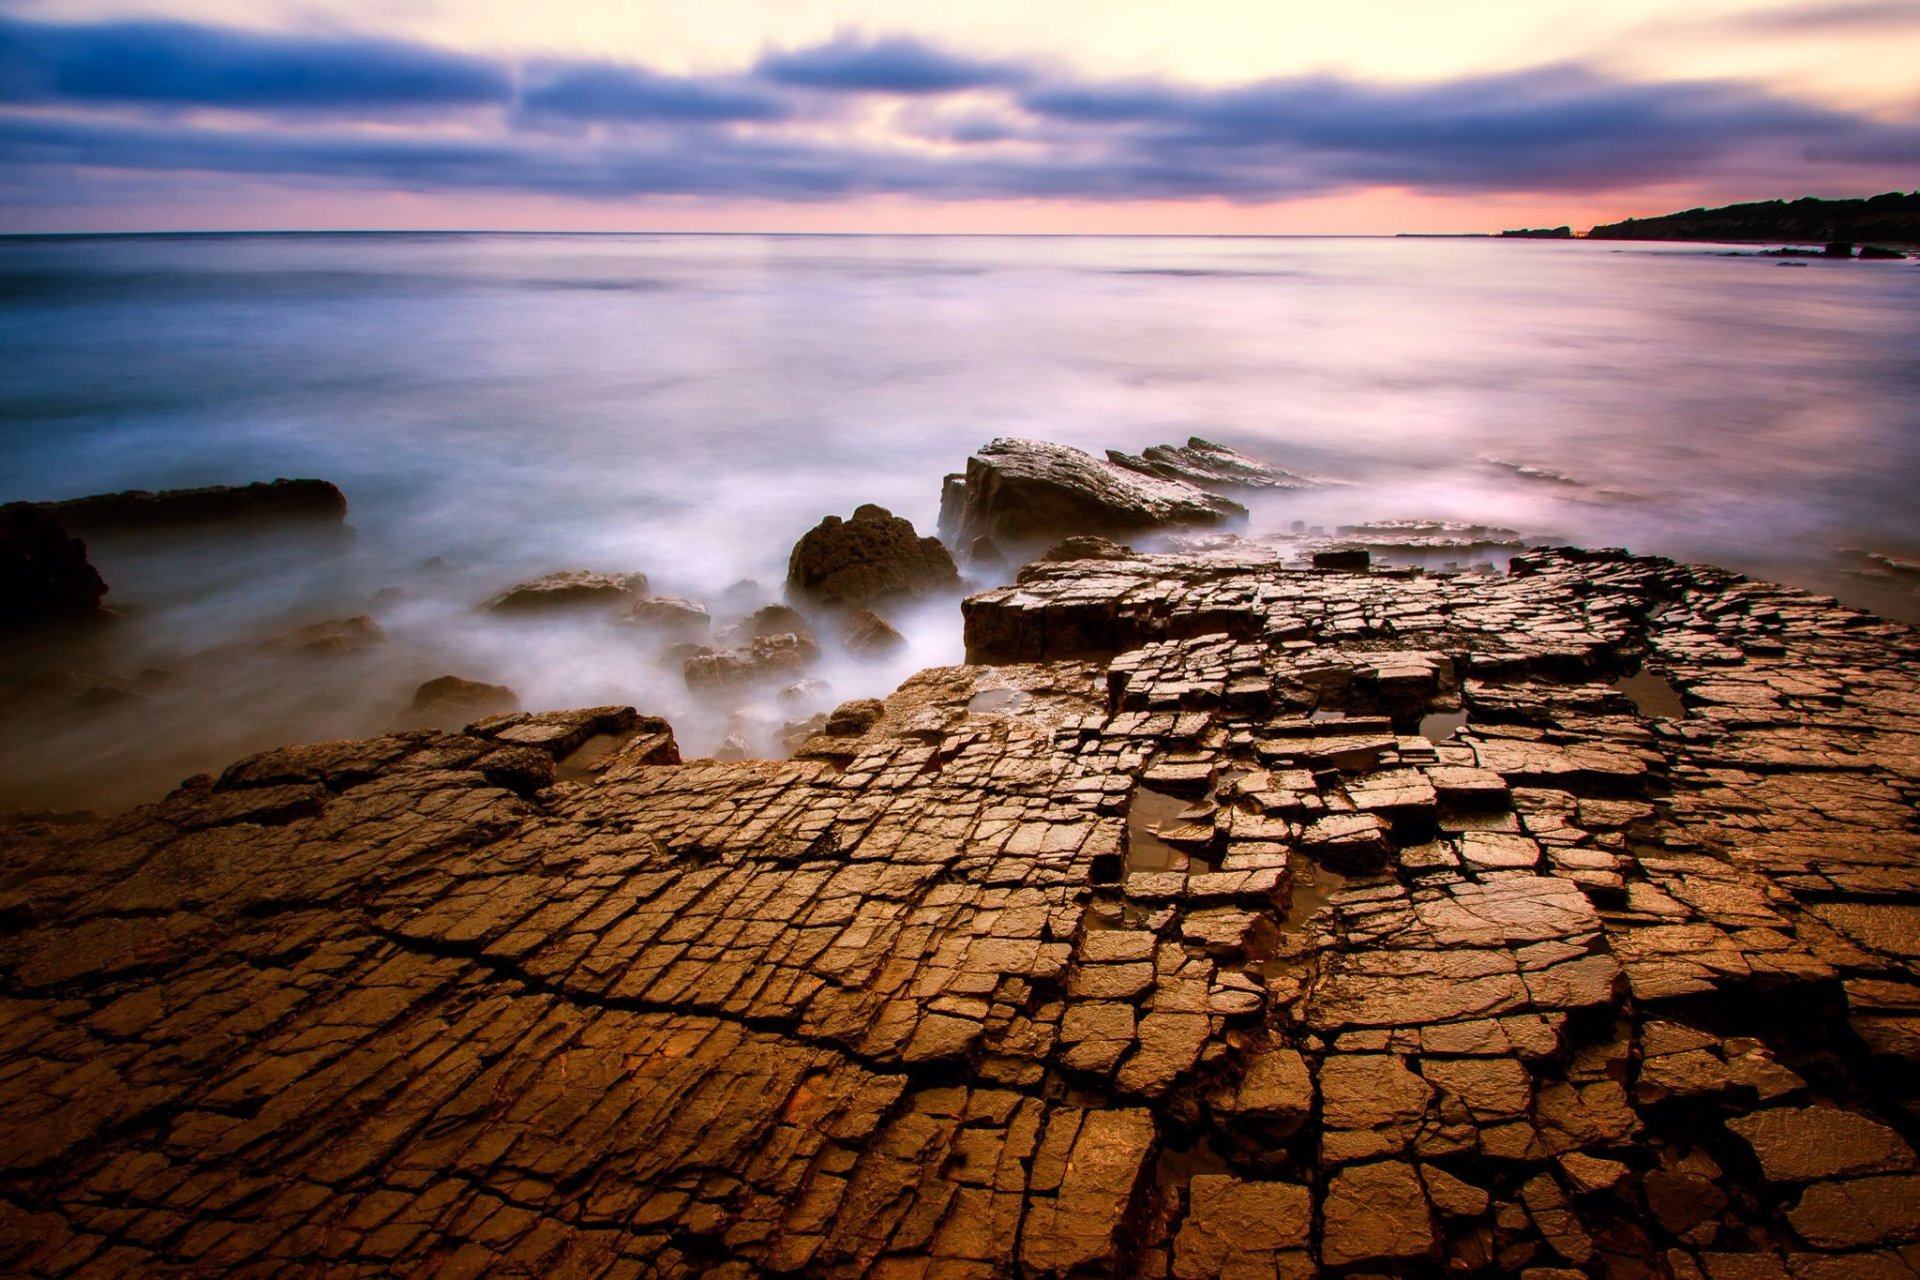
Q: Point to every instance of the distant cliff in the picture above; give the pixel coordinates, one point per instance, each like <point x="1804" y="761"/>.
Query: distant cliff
<point x="1890" y="217"/>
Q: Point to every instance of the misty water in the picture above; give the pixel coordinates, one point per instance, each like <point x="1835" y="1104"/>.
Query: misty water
<point x="498" y="407"/>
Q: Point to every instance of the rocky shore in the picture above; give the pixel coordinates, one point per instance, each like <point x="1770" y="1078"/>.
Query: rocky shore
<point x="1221" y="917"/>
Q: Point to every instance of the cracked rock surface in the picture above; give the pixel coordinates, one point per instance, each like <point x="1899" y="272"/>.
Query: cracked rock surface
<point x="1159" y="941"/>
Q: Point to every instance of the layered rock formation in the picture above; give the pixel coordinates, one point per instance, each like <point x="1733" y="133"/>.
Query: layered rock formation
<point x="1159" y="943"/>
<point x="1021" y="491"/>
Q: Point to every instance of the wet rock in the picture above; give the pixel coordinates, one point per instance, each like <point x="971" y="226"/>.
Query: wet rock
<point x="876" y="555"/>
<point x="571" y="589"/>
<point x="45" y="575"/>
<point x="450" y="700"/>
<point x="1027" y="490"/>
<point x="1354" y="560"/>
<point x="868" y="633"/>
<point x="250" y="504"/>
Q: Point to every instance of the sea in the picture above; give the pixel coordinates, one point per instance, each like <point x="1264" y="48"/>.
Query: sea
<point x="500" y="406"/>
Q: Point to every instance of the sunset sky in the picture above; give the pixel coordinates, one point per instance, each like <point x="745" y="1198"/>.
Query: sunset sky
<point x="1207" y="116"/>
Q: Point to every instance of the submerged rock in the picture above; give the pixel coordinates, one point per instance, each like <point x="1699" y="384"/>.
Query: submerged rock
<point x="571" y="589"/>
<point x="873" y="556"/>
<point x="257" y="503"/>
<point x="45" y="575"/>
<point x="1027" y="490"/>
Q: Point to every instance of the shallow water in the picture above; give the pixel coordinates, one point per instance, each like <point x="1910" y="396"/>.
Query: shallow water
<point x="501" y="406"/>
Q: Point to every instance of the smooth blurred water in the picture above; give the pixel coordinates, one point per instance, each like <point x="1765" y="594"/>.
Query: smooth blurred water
<point x="497" y="406"/>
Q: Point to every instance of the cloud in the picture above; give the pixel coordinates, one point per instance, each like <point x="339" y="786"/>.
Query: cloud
<point x="606" y="92"/>
<point x="892" y="65"/>
<point x="105" y="98"/>
<point x="1820" y="17"/>
<point x="177" y="64"/>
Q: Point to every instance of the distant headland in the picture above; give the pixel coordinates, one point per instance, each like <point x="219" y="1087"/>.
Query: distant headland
<point x="1893" y="217"/>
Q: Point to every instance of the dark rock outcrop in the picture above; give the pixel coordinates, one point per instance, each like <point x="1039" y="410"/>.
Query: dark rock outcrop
<point x="1025" y="491"/>
<point x="874" y="556"/>
<point x="45" y="575"/>
<point x="571" y="589"/>
<point x="258" y="503"/>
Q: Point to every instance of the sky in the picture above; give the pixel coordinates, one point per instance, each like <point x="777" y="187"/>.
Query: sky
<point x="1121" y="116"/>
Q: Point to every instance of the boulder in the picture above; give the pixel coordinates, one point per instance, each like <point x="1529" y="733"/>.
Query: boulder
<point x="571" y="589"/>
<point x="869" y="633"/>
<point x="44" y="574"/>
<point x="260" y="502"/>
<point x="775" y="620"/>
<point x="451" y="700"/>
<point x="873" y="556"/>
<point x="1028" y="490"/>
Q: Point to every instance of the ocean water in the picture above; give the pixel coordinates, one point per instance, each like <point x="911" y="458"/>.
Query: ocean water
<point x="501" y="406"/>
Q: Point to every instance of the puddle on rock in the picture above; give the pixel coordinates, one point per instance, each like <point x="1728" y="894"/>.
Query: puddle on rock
<point x="1313" y="887"/>
<point x="998" y="701"/>
<point x="589" y="758"/>
<point x="1438" y="726"/>
<point x="1652" y="695"/>
<point x="1148" y="813"/>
